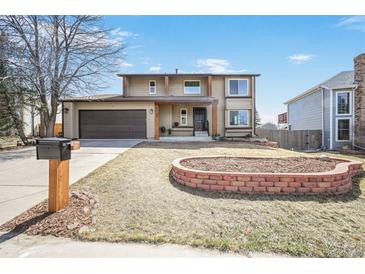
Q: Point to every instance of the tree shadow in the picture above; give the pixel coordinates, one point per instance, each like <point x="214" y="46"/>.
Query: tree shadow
<point x="350" y="196"/>
<point x="22" y="227"/>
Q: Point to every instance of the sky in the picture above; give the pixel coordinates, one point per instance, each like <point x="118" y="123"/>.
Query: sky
<point x="292" y="53"/>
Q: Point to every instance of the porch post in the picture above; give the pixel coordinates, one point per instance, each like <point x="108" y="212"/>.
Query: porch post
<point x="166" y="87"/>
<point x="157" y="121"/>
<point x="214" y="118"/>
<point x="209" y="85"/>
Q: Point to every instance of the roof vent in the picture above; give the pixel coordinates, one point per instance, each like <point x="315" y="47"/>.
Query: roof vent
<point x="176" y="70"/>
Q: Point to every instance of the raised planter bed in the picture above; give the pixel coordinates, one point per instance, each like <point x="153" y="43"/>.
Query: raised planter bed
<point x="334" y="180"/>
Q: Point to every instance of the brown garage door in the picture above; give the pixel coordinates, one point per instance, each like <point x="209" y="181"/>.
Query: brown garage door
<point x="112" y="124"/>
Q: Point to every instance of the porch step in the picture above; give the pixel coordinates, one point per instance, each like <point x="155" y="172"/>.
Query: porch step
<point x="201" y="133"/>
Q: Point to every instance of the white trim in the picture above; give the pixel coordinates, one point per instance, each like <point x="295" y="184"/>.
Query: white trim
<point x="149" y="86"/>
<point x="331" y="119"/>
<point x="238" y="79"/>
<point x="192" y="81"/>
<point x="229" y="118"/>
<point x="350" y="100"/>
<point x="181" y="123"/>
<point x="350" y="129"/>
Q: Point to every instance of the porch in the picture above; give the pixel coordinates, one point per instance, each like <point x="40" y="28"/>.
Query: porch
<point x="179" y="120"/>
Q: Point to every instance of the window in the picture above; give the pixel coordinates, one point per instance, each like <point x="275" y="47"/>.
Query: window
<point x="152" y="87"/>
<point x="343" y="130"/>
<point x="238" y="117"/>
<point x="238" y="87"/>
<point x="183" y="117"/>
<point x="192" y="87"/>
<point x="343" y="104"/>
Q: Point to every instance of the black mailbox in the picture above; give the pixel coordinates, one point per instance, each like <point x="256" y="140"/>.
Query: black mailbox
<point x="53" y="149"/>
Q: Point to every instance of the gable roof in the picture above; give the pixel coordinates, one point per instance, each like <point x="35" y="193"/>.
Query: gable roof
<point x="342" y="80"/>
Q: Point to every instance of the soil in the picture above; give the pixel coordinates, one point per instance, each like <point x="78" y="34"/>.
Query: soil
<point x="68" y="222"/>
<point x="266" y="165"/>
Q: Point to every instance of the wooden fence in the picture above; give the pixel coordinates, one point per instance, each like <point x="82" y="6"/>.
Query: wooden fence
<point x="293" y="139"/>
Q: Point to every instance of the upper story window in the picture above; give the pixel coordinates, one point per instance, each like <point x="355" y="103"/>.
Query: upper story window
<point x="343" y="103"/>
<point x="238" y="87"/>
<point x="152" y="87"/>
<point x="191" y="87"/>
<point x="238" y="117"/>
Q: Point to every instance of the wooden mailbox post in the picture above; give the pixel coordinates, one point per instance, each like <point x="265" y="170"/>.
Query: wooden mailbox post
<point x="58" y="152"/>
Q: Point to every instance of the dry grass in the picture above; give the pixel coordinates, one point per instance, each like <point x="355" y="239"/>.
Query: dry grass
<point x="138" y="202"/>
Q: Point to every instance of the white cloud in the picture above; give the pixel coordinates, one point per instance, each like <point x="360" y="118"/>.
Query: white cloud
<point x="301" y="58"/>
<point x="215" y="65"/>
<point x="122" y="34"/>
<point x="123" y="64"/>
<point x="156" y="68"/>
<point x="353" y="22"/>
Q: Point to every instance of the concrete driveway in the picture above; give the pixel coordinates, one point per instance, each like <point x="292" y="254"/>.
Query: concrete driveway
<point x="24" y="180"/>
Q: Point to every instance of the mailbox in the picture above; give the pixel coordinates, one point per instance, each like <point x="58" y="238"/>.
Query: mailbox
<point x="53" y="149"/>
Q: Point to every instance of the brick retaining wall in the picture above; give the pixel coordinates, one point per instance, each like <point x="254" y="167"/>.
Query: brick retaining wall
<point x="336" y="181"/>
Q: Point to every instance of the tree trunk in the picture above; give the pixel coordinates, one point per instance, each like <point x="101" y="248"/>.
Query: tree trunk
<point x="50" y="126"/>
<point x="42" y="130"/>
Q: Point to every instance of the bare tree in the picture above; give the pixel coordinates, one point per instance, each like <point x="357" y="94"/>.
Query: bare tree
<point x="59" y="56"/>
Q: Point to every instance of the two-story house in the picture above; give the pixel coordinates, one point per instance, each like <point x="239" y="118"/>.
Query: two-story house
<point x="335" y="106"/>
<point x="154" y="105"/>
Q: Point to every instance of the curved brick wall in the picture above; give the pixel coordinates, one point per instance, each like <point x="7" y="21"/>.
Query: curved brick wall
<point x="335" y="181"/>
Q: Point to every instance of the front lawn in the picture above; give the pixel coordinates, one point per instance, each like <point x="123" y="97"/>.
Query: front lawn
<point x="138" y="202"/>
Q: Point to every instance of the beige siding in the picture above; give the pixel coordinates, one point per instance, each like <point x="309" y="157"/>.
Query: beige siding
<point x="176" y="114"/>
<point x="72" y="117"/>
<point x="165" y="117"/>
<point x="139" y="86"/>
<point x="68" y="124"/>
<point x="218" y="87"/>
<point x="176" y="86"/>
<point x="239" y="103"/>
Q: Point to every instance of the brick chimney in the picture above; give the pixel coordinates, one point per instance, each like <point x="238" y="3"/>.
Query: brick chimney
<point x="359" y="128"/>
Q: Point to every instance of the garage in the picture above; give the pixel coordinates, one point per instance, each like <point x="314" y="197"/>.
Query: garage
<point x="112" y="124"/>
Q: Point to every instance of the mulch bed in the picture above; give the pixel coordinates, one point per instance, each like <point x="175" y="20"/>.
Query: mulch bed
<point x="274" y="165"/>
<point x="68" y="222"/>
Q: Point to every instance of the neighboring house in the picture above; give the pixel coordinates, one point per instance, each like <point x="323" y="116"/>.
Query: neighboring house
<point x="330" y="107"/>
<point x="151" y="105"/>
<point x="268" y="126"/>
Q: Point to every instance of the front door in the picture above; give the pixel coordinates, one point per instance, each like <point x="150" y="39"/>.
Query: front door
<point x="199" y="118"/>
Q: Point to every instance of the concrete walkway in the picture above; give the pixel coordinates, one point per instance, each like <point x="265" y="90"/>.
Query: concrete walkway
<point x="24" y="180"/>
<point x="23" y="246"/>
